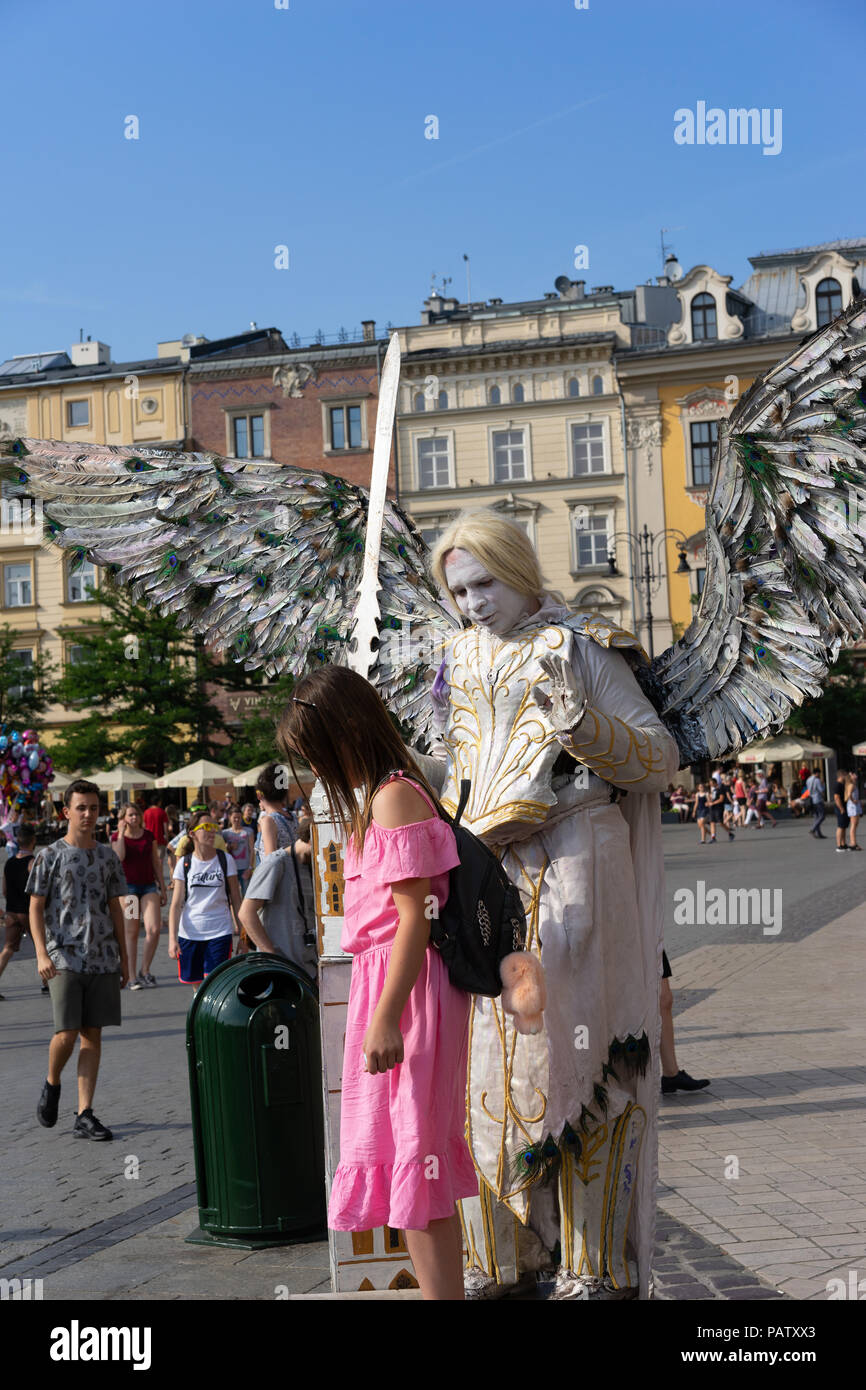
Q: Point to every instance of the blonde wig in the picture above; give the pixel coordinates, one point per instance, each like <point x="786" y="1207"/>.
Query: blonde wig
<point x="499" y="544"/>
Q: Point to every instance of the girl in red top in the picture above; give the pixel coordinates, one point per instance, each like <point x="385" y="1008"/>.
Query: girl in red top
<point x="137" y="850"/>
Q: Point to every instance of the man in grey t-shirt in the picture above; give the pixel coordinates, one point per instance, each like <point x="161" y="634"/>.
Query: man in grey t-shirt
<point x="274" y="890"/>
<point x="76" y="922"/>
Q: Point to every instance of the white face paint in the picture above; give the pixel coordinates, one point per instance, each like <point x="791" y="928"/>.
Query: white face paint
<point x="483" y="599"/>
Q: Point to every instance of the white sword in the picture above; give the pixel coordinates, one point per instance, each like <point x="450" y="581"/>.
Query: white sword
<point x="367" y="606"/>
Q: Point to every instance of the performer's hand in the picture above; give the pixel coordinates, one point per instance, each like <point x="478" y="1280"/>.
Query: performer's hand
<point x="440" y="698"/>
<point x="564" y="702"/>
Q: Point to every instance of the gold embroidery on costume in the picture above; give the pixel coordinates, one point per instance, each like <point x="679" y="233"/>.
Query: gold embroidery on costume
<point x="497" y="738"/>
<point x="606" y="745"/>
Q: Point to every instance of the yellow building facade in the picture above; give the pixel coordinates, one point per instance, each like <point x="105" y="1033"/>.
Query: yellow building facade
<point x="721" y="341"/>
<point x="83" y="397"/>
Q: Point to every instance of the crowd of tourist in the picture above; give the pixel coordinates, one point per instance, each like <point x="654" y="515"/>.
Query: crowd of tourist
<point x="732" y="800"/>
<point x="198" y="867"/>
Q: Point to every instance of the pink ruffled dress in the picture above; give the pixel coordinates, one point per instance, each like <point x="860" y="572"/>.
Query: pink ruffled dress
<point x="404" y="1160"/>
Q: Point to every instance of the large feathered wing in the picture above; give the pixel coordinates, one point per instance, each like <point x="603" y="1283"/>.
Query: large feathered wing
<point x="263" y="561"/>
<point x="786" y="524"/>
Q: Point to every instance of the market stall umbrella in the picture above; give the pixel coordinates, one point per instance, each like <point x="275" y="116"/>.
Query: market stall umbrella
<point x="123" y="778"/>
<point x="787" y="748"/>
<point x="202" y="773"/>
<point x="250" y="777"/>
<point x="61" y="780"/>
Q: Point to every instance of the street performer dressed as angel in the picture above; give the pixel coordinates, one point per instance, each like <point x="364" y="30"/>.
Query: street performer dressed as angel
<point x="538" y="707"/>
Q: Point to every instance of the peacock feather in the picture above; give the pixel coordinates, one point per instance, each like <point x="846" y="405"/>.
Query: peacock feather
<point x="263" y="561"/>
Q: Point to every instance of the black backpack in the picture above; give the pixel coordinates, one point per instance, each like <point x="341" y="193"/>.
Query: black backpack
<point x="483" y="918"/>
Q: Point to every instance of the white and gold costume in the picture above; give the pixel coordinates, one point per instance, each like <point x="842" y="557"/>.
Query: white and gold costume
<point x="566" y="1117"/>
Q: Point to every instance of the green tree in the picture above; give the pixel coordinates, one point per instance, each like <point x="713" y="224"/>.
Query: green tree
<point x="144" y="681"/>
<point x="838" y="716"/>
<point x="25" y="689"/>
<point x="253" y="740"/>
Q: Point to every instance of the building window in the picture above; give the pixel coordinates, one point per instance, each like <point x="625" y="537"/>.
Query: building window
<point x="77" y="413"/>
<point x="24" y="659"/>
<point x="591" y="539"/>
<point x="509" y="456"/>
<point x="518" y="395"/>
<point x="434" y="462"/>
<point x="17" y="586"/>
<point x="494" y="396"/>
<point x="704" y="436"/>
<point x="77" y="582"/>
<point x="418" y="403"/>
<point x="700" y="581"/>
<point x="828" y="301"/>
<point x="587" y="449"/>
<point x="703" y="317"/>
<point x="430" y="535"/>
<point x="443" y="400"/>
<point x="76" y="653"/>
<point x="248" y="436"/>
<point x="597" y="386"/>
<point x="345" y="421"/>
<point x="573" y="386"/>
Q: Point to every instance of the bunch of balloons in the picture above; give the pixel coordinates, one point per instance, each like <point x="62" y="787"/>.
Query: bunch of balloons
<point x="25" y="769"/>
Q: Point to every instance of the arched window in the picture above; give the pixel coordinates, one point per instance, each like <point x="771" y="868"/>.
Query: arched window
<point x="703" y="317"/>
<point x="828" y="301"/>
<point x="418" y="401"/>
<point x="594" y="598"/>
<point x="597" y="386"/>
<point x="573" y="386"/>
<point x="443" y="400"/>
<point x="517" y="393"/>
<point x="494" y="396"/>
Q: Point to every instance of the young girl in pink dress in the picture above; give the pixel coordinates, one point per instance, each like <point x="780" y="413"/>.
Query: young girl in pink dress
<point x="404" y="1160"/>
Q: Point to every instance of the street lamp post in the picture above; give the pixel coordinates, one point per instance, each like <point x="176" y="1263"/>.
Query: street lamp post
<point x="647" y="547"/>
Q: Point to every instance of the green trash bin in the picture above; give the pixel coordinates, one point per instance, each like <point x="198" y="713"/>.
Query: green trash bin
<point x="255" y="1072"/>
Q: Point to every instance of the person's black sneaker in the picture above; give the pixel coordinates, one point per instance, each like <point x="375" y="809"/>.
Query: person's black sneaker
<point x="88" y="1127"/>
<point x="681" y="1082"/>
<point x="46" y="1110"/>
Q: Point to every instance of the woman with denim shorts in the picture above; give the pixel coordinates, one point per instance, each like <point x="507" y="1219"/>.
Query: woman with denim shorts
<point x="138" y="852"/>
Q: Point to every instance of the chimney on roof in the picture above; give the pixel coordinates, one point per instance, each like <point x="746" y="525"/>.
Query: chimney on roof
<point x="369" y="329"/>
<point x="90" y="354"/>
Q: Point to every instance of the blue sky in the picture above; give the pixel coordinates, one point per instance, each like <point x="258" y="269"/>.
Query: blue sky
<point x="305" y="127"/>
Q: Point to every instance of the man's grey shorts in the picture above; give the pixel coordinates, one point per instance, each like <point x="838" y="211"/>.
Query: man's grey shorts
<point x="82" y="1000"/>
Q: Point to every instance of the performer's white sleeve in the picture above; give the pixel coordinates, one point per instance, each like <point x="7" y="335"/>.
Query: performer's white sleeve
<point x="620" y="737"/>
<point x="434" y="764"/>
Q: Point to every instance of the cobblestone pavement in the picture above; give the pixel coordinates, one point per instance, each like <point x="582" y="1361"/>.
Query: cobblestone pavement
<point x="774" y="1022"/>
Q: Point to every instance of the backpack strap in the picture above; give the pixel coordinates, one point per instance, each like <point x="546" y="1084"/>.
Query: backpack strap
<point x="465" y="789"/>
<point x="225" y="868"/>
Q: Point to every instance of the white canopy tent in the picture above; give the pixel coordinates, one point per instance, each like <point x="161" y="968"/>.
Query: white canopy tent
<point x="788" y="748"/>
<point x="199" y="775"/>
<point x="123" y="778"/>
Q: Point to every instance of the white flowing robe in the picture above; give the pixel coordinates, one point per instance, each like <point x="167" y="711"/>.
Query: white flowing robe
<point x="591" y="874"/>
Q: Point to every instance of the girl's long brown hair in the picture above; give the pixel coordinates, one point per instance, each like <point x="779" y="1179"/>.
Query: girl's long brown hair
<point x="339" y="725"/>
